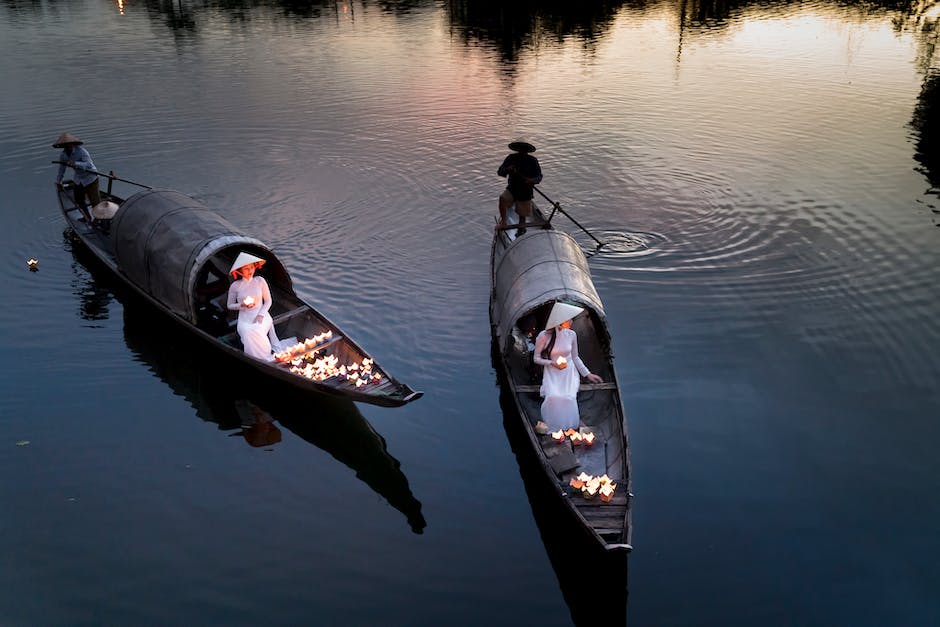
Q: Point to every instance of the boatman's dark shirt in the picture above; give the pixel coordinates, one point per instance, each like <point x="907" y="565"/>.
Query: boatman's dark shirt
<point x="526" y="166"/>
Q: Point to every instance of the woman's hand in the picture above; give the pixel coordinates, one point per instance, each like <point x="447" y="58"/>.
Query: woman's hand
<point x="593" y="378"/>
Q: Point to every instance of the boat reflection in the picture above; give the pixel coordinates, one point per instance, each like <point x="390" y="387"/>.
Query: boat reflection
<point x="593" y="581"/>
<point x="215" y="388"/>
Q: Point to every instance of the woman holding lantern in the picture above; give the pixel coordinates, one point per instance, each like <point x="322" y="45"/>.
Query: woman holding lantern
<point x="556" y="348"/>
<point x="250" y="296"/>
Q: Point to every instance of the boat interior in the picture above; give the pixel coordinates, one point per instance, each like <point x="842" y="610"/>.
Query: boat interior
<point x="598" y="403"/>
<point x="600" y="411"/>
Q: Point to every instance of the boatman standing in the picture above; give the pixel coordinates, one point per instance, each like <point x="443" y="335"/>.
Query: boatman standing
<point x="524" y="174"/>
<point x="86" y="178"/>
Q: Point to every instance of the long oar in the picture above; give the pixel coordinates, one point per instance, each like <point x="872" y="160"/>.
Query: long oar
<point x="109" y="176"/>
<point x="557" y="207"/>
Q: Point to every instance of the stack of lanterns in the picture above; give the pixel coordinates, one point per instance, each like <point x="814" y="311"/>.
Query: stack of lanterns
<point x="301" y="348"/>
<point x="305" y="362"/>
<point x="591" y="486"/>
<point x="577" y="438"/>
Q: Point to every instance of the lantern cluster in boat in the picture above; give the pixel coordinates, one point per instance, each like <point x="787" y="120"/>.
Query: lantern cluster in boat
<point x="591" y="486"/>
<point x="577" y="437"/>
<point x="321" y="368"/>
<point x="300" y="348"/>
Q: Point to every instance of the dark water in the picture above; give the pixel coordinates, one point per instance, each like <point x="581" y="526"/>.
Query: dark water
<point x="766" y="175"/>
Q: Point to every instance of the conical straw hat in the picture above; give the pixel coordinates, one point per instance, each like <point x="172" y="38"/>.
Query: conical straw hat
<point x="66" y="138"/>
<point x="243" y="260"/>
<point x="521" y="146"/>
<point x="560" y="313"/>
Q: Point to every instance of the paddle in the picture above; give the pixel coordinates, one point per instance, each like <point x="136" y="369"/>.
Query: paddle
<point x="109" y="176"/>
<point x="557" y="207"/>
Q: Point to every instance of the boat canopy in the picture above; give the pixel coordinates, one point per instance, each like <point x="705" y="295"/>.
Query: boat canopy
<point x="537" y="270"/>
<point x="166" y="242"/>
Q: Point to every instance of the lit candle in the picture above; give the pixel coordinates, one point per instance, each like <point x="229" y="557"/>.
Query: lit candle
<point x="607" y="492"/>
<point x="561" y="362"/>
<point x="558" y="436"/>
<point x="249" y="301"/>
<point x="588" y="438"/>
<point x="576" y="439"/>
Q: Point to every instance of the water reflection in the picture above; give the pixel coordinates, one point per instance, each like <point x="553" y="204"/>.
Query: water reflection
<point x="94" y="298"/>
<point x="513" y="26"/>
<point x="593" y="581"/>
<point x="926" y="121"/>
<point x="253" y="412"/>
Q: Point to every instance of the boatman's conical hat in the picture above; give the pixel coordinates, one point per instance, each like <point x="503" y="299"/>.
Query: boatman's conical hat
<point x="65" y="139"/>
<point x="521" y="146"/>
<point x="560" y="313"/>
<point x="243" y="260"/>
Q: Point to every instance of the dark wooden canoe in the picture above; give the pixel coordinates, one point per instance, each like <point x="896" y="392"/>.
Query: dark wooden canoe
<point x="529" y="273"/>
<point x="176" y="253"/>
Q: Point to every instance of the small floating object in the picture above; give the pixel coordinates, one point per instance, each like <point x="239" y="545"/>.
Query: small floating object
<point x="558" y="436"/>
<point x="607" y="492"/>
<point x="576" y="439"/>
<point x="576" y="483"/>
<point x="588" y="438"/>
<point x="23" y="443"/>
<point x="33" y="264"/>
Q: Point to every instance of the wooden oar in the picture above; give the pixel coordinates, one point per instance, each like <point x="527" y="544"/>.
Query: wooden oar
<point x="557" y="207"/>
<point x="109" y="176"/>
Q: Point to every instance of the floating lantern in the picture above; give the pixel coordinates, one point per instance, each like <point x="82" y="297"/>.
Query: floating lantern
<point x="576" y="439"/>
<point x="561" y="362"/>
<point x="607" y="492"/>
<point x="558" y="436"/>
<point x="588" y="438"/>
<point x="584" y="477"/>
<point x="604" y="478"/>
<point x="570" y="432"/>
<point x="576" y="483"/>
<point x="33" y="264"/>
<point x="249" y="301"/>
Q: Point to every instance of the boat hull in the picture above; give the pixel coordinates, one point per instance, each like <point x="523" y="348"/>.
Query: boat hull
<point x="392" y="393"/>
<point x="529" y="274"/>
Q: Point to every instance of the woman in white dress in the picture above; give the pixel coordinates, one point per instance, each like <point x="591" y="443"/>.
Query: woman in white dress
<point x="250" y="297"/>
<point x="556" y="350"/>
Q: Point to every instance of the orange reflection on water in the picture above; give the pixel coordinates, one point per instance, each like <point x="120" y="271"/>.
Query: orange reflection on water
<point x="120" y="4"/>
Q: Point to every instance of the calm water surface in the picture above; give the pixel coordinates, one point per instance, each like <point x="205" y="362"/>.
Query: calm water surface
<point x="765" y="174"/>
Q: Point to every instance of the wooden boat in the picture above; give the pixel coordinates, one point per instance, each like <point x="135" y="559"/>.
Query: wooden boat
<point x="176" y="254"/>
<point x="530" y="273"/>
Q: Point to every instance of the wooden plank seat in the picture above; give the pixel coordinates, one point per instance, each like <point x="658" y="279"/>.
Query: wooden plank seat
<point x="278" y="319"/>
<point x="528" y="225"/>
<point x="314" y="349"/>
<point x="584" y="387"/>
<point x="287" y="315"/>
